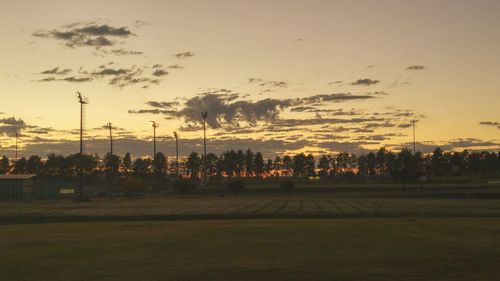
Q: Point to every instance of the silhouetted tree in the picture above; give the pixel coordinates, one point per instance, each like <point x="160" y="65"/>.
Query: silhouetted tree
<point x="287" y="165"/>
<point x="127" y="164"/>
<point x="34" y="165"/>
<point x="406" y="167"/>
<point x="324" y="166"/>
<point x="4" y="165"/>
<point x="249" y="163"/>
<point x="193" y="165"/>
<point x="21" y="165"/>
<point x="112" y="167"/>
<point x="159" y="164"/>
<point x="310" y="165"/>
<point x="277" y="166"/>
<point x="211" y="165"/>
<point x="269" y="166"/>
<point x="362" y="165"/>
<point x="142" y="167"/>
<point x="299" y="164"/>
<point x="259" y="164"/>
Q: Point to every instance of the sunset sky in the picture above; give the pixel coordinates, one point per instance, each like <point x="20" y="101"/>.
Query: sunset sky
<point x="274" y="76"/>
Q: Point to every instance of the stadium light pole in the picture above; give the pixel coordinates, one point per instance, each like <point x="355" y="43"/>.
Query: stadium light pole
<point x="154" y="125"/>
<point x="414" y="144"/>
<point x="110" y="127"/>
<point x="82" y="101"/>
<point x="204" y="115"/>
<point x="176" y="153"/>
<point x="17" y="137"/>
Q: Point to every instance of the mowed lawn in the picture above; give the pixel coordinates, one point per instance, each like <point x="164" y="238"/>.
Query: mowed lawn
<point x="260" y="249"/>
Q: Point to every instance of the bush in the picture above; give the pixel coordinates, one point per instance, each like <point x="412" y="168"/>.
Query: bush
<point x="287" y="185"/>
<point x="235" y="186"/>
<point x="134" y="186"/>
<point x="183" y="186"/>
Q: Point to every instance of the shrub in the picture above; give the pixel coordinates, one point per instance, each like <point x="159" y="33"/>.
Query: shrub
<point x="183" y="185"/>
<point x="287" y="185"/>
<point x="134" y="186"/>
<point x="235" y="186"/>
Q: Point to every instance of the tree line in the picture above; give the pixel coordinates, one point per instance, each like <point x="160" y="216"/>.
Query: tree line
<point x="403" y="166"/>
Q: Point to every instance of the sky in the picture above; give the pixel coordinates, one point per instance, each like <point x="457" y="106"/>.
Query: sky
<point x="275" y="76"/>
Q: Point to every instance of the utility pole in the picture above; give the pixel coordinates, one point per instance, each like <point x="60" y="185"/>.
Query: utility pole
<point x="204" y="115"/>
<point x="82" y="101"/>
<point x="414" y="144"/>
<point x="154" y="125"/>
<point x="110" y="127"/>
<point x="176" y="154"/>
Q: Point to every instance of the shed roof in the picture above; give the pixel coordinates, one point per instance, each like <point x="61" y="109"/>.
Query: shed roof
<point x="17" y="177"/>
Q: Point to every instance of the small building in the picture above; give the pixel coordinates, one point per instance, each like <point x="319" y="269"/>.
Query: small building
<point x="17" y="187"/>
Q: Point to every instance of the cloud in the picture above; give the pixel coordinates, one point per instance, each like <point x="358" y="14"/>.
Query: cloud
<point x="337" y="97"/>
<point x="111" y="71"/>
<point x="86" y="34"/>
<point x="77" y="79"/>
<point x="275" y="84"/>
<point x="163" y="104"/>
<point x="152" y="111"/>
<point x="176" y="66"/>
<point x="354" y="147"/>
<point x="159" y="72"/>
<point x="184" y="55"/>
<point x="56" y="71"/>
<point x="364" y="82"/>
<point x="228" y="109"/>
<point x="124" y="52"/>
<point x="142" y="147"/>
<point x="490" y="123"/>
<point x="115" y="76"/>
<point x="415" y="67"/>
<point x="263" y="83"/>
<point x="10" y="125"/>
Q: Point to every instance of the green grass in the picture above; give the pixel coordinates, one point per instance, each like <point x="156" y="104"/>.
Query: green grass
<point x="272" y="249"/>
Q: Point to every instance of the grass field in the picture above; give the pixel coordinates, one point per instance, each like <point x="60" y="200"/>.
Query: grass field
<point x="366" y="233"/>
<point x="311" y="205"/>
<point x="271" y="249"/>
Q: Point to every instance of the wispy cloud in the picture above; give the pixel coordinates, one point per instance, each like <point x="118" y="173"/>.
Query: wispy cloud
<point x="82" y="34"/>
<point x="415" y="67"/>
<point x="365" y="82"/>
<point x="184" y="55"/>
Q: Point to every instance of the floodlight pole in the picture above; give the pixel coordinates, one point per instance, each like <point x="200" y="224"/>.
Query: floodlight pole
<point x="176" y="153"/>
<point x="82" y="101"/>
<point x="414" y="144"/>
<point x="154" y="125"/>
<point x="110" y="127"/>
<point x="204" y="115"/>
<point x="17" y="136"/>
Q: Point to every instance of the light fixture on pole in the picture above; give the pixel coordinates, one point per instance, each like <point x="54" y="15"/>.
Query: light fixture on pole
<point x="414" y="144"/>
<point x="176" y="153"/>
<point x="204" y="115"/>
<point x="154" y="125"/>
<point x="110" y="127"/>
<point x="82" y="101"/>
